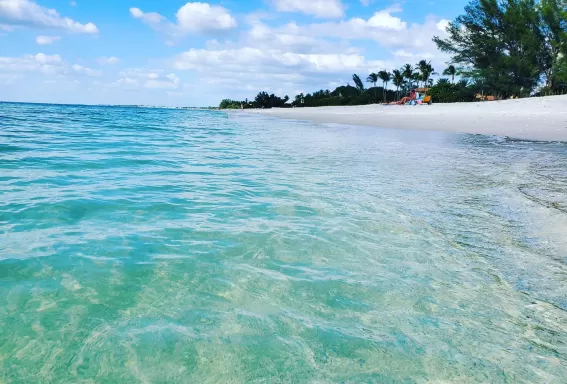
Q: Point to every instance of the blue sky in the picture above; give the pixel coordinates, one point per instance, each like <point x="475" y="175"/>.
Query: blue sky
<point x="183" y="53"/>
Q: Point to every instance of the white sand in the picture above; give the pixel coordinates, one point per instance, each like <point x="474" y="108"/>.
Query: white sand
<point x="543" y="118"/>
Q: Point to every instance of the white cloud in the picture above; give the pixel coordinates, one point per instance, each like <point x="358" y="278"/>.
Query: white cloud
<point x="79" y="69"/>
<point x="442" y="25"/>
<point x="46" y="40"/>
<point x="47" y="59"/>
<point x="196" y="17"/>
<point x="108" y="60"/>
<point x="317" y="8"/>
<point x="73" y="3"/>
<point x="152" y="79"/>
<point x="26" y="13"/>
<point x="170" y="81"/>
<point x="255" y="60"/>
<point x="292" y="57"/>
<point x="193" y="17"/>
<point x="384" y="19"/>
<point x="46" y="64"/>
<point x="149" y="18"/>
<point x="261" y="33"/>
<point x="387" y="30"/>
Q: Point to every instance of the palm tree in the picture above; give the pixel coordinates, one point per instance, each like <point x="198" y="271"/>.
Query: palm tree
<point x="463" y="83"/>
<point x="398" y="80"/>
<point x="358" y="83"/>
<point x="450" y="71"/>
<point x="373" y="78"/>
<point x="385" y="76"/>
<point x="425" y="71"/>
<point x="407" y="72"/>
<point x="415" y="79"/>
<point x="422" y="68"/>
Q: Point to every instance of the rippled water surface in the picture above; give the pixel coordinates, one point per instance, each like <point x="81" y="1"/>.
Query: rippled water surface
<point x="176" y="246"/>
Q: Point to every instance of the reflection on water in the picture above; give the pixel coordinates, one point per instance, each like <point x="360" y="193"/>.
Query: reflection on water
<point x="141" y="245"/>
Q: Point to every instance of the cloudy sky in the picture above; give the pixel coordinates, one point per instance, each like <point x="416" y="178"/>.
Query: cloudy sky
<point x="178" y="53"/>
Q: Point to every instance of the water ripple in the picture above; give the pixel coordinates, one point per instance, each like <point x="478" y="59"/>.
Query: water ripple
<point x="155" y="245"/>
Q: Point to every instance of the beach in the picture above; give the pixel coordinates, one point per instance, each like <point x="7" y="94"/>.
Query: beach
<point x="538" y="119"/>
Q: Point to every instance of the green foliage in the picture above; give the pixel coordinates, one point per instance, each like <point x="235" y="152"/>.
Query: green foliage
<point x="554" y="30"/>
<point x="264" y="100"/>
<point x="343" y="95"/>
<point x="446" y="92"/>
<point x="385" y="76"/>
<point x="372" y="78"/>
<point x="509" y="46"/>
<point x="359" y="84"/>
<point x="407" y="71"/>
<point x="229" y="104"/>
<point x="425" y="71"/>
<point x="398" y="81"/>
<point x="451" y="70"/>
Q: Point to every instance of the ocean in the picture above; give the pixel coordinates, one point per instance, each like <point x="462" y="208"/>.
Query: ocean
<point x="187" y="246"/>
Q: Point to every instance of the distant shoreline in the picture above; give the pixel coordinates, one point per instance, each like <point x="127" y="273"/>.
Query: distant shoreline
<point x="107" y="105"/>
<point x="537" y="119"/>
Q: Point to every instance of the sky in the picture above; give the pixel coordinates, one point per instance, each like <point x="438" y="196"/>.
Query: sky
<point x="179" y="53"/>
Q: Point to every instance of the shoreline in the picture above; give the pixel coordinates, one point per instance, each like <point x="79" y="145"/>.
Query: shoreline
<point x="536" y="119"/>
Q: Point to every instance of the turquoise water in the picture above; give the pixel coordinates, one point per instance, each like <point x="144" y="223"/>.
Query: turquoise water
<point x="176" y="246"/>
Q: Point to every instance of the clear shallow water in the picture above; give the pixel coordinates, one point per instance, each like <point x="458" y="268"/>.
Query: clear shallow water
<point x="164" y="246"/>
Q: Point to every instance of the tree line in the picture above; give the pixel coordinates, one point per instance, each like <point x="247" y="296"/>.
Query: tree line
<point x="262" y="100"/>
<point x="504" y="48"/>
<point x="403" y="79"/>
<point x="511" y="47"/>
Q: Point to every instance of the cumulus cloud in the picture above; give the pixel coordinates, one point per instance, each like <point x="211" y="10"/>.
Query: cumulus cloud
<point x="108" y="60"/>
<point x="46" y="40"/>
<point x="288" y="65"/>
<point x="262" y="36"/>
<point x="389" y="31"/>
<point x="193" y="17"/>
<point x="317" y="8"/>
<point x="383" y="27"/>
<point x="196" y="17"/>
<point x="79" y="69"/>
<point x="442" y="25"/>
<point x="151" y="18"/>
<point x="26" y="13"/>
<point x="152" y="79"/>
<point x="46" y="64"/>
<point x="170" y="81"/>
<point x="304" y="57"/>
